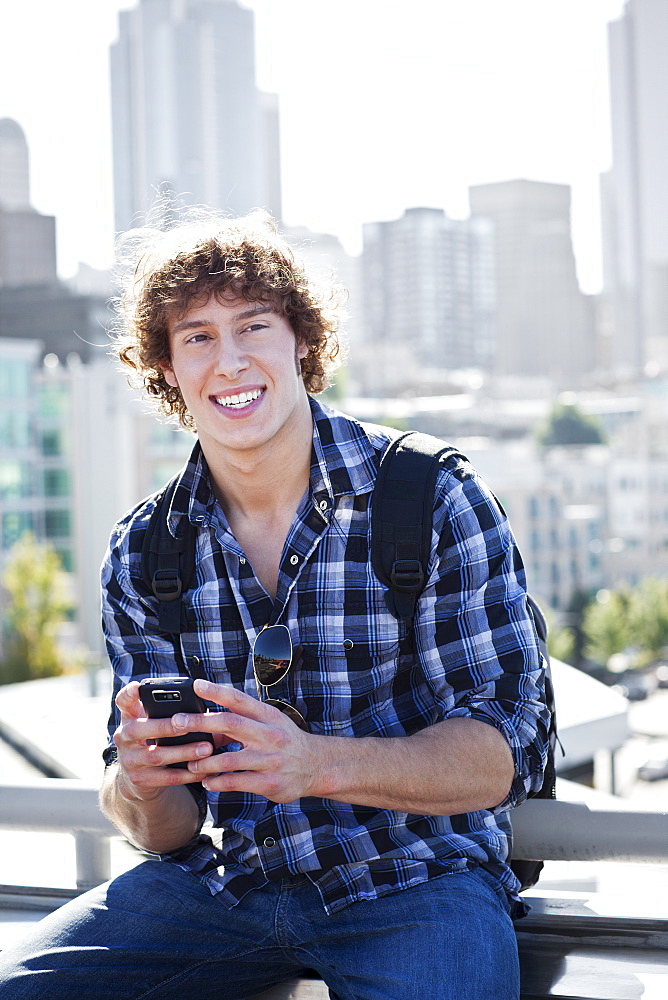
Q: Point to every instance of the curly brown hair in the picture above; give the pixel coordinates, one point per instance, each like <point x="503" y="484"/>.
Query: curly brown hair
<point x="181" y="266"/>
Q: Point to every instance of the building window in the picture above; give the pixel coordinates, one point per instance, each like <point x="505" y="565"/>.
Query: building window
<point x="14" y="429"/>
<point x="54" y="401"/>
<point x="14" y="379"/>
<point x="57" y="523"/>
<point x="56" y="483"/>
<point x="66" y="559"/>
<point x="14" y="480"/>
<point x="52" y="442"/>
<point x="14" y="524"/>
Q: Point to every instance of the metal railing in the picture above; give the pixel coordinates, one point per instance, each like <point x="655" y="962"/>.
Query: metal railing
<point x="550" y="830"/>
<point x="63" y="805"/>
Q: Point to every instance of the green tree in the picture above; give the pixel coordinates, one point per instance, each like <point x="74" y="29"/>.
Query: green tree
<point x="37" y="604"/>
<point x="561" y="643"/>
<point x="568" y="425"/>
<point x="648" y="618"/>
<point x="607" y="625"/>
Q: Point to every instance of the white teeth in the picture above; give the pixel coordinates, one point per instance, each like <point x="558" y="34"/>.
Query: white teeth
<point x="239" y="400"/>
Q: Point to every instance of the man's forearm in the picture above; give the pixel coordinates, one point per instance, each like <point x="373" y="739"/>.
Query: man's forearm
<point x="456" y="766"/>
<point x="160" y="823"/>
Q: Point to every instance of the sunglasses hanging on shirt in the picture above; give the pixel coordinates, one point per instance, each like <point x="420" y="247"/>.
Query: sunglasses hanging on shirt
<point x="272" y="659"/>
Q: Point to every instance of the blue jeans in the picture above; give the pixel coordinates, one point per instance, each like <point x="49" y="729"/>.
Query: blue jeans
<point x="155" y="933"/>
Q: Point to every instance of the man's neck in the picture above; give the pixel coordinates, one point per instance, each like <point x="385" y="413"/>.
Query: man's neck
<point x="263" y="481"/>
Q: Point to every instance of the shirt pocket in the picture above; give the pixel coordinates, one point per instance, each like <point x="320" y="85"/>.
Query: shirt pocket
<point x="221" y="644"/>
<point x="347" y="672"/>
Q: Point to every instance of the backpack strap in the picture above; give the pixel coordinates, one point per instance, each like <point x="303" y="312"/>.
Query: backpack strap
<point x="168" y="563"/>
<point x="402" y="515"/>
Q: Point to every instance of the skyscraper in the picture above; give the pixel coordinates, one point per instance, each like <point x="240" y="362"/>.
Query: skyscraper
<point x="27" y="238"/>
<point x="544" y="325"/>
<point x="635" y="192"/>
<point x="14" y="166"/>
<point x="187" y="114"/>
<point x="428" y="288"/>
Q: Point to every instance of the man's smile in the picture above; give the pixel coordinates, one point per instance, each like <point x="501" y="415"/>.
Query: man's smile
<point x="239" y="400"/>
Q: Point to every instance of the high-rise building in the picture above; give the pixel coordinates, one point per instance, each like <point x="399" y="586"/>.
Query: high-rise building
<point x="327" y="261"/>
<point x="27" y="238"/>
<point x="634" y="192"/>
<point x="14" y="166"/>
<point x="544" y="324"/>
<point x="188" y="118"/>
<point x="428" y="289"/>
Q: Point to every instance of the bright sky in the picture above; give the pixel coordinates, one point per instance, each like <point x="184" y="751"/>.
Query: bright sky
<point x="384" y="105"/>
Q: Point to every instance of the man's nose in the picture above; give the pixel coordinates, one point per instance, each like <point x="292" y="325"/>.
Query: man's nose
<point x="230" y="358"/>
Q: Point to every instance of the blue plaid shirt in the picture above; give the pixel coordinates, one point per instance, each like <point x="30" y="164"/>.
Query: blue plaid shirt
<point x="473" y="653"/>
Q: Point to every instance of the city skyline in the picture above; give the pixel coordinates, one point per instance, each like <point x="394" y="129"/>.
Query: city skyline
<point x="389" y="114"/>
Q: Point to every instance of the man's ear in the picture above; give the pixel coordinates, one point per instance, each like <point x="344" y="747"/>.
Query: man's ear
<point x="170" y="377"/>
<point x="302" y="349"/>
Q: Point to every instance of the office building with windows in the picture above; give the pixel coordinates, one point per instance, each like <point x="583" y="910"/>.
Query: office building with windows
<point x="544" y="325"/>
<point x="429" y="296"/>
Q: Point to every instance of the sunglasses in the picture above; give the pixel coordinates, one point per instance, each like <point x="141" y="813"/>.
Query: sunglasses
<point x="272" y="659"/>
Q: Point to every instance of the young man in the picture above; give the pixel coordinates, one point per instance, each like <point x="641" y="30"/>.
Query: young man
<point x="363" y="797"/>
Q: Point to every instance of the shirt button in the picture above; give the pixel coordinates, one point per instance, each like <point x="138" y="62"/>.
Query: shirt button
<point x="269" y="842"/>
<point x="242" y="560"/>
<point x="348" y="643"/>
<point x="294" y="560"/>
<point x="324" y="504"/>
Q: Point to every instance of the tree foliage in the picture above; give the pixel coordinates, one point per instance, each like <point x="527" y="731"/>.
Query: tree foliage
<point x="606" y="625"/>
<point x="568" y="425"/>
<point x="560" y="643"/>
<point x="632" y="621"/>
<point x="37" y="604"/>
<point x="648" y="617"/>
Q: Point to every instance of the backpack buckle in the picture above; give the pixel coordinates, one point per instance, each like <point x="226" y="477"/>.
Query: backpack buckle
<point x="166" y="584"/>
<point x="407" y="574"/>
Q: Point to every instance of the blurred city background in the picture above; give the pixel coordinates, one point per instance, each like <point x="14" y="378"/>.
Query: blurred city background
<point x="490" y="187"/>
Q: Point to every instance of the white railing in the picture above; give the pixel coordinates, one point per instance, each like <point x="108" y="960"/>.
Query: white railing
<point x="551" y="830"/>
<point x="542" y="828"/>
<point x="63" y="805"/>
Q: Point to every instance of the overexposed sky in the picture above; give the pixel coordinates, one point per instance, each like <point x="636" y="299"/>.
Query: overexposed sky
<point x="384" y="105"/>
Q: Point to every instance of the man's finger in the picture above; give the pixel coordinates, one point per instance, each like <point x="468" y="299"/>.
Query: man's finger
<point x="128" y="703"/>
<point x="238" y="702"/>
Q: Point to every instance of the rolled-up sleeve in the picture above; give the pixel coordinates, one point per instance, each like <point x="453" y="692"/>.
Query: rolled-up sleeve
<point x="475" y="631"/>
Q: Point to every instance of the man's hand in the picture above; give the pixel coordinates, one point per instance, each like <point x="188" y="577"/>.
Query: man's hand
<point x="143" y="764"/>
<point x="278" y="760"/>
<point x="144" y="798"/>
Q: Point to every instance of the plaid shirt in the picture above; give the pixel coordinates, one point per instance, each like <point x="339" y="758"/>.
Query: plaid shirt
<point x="473" y="653"/>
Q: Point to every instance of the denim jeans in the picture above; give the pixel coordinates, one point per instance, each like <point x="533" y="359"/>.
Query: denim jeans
<point x="155" y="933"/>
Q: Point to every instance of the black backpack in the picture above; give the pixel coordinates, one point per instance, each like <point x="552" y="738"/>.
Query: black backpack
<point x="401" y="527"/>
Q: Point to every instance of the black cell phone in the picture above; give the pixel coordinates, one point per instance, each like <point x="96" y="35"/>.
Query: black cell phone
<point x="163" y="697"/>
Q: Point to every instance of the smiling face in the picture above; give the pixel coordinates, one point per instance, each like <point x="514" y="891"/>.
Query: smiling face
<point x="236" y="364"/>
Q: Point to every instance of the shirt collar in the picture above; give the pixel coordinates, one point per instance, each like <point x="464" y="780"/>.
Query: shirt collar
<point x="345" y="454"/>
<point x="344" y="462"/>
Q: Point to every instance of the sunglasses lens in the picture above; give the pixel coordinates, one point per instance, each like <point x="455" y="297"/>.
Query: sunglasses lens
<point x="291" y="712"/>
<point x="272" y="654"/>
